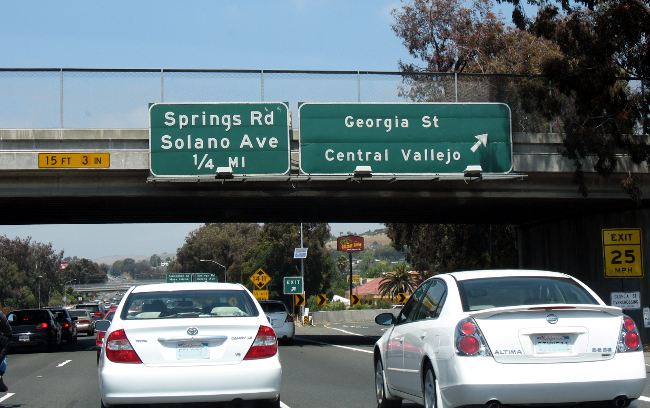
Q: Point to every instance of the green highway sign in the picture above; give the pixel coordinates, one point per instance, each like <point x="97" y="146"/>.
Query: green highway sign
<point x="404" y="138"/>
<point x="179" y="277"/>
<point x="195" y="139"/>
<point x="205" y="277"/>
<point x="293" y="285"/>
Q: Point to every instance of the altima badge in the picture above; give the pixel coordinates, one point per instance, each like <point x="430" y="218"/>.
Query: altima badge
<point x="552" y="319"/>
<point x="192" y="331"/>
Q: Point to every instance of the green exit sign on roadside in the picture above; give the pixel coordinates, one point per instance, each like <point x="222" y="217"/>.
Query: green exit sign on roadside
<point x="405" y="138"/>
<point x="205" y="277"/>
<point x="195" y="139"/>
<point x="293" y="285"/>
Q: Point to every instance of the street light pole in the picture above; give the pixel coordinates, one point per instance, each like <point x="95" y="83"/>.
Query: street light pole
<point x="38" y="279"/>
<point x="225" y="271"/>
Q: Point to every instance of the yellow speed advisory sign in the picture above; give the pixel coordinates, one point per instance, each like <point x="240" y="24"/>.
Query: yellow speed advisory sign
<point x="622" y="253"/>
<point x="74" y="160"/>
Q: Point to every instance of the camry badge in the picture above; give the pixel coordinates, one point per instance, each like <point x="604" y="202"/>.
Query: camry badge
<point x="192" y="331"/>
<point x="552" y="319"/>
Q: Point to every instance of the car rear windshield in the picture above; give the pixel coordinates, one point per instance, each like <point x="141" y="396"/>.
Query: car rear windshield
<point x="273" y="307"/>
<point x="188" y="304"/>
<point x="24" y="317"/>
<point x="485" y="293"/>
<point x="94" y="308"/>
<point x="78" y="313"/>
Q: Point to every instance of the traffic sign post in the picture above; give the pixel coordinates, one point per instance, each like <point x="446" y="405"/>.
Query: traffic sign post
<point x="195" y="139"/>
<point x="622" y="253"/>
<point x="404" y="138"/>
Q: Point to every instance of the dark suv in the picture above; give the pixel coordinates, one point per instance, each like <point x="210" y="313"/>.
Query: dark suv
<point x="34" y="327"/>
<point x="96" y="310"/>
<point x="68" y="328"/>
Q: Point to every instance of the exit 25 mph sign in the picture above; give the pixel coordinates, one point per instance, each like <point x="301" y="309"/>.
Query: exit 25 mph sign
<point x="623" y="253"/>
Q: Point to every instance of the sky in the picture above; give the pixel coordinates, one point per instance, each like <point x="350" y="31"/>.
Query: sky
<point x="208" y="34"/>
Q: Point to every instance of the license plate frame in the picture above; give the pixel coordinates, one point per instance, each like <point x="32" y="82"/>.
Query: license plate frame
<point x="552" y="343"/>
<point x="23" y="337"/>
<point x="192" y="351"/>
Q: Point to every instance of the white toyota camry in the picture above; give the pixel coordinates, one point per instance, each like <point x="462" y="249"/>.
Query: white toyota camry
<point x="189" y="342"/>
<point x="507" y="337"/>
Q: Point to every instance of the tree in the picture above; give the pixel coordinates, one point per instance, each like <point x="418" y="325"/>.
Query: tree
<point x="398" y="281"/>
<point x="437" y="248"/>
<point x="274" y="253"/>
<point x="223" y="243"/>
<point x="599" y="80"/>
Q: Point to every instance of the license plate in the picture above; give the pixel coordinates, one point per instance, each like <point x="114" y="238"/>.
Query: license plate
<point x="192" y="351"/>
<point x="23" y="337"/>
<point x="552" y="344"/>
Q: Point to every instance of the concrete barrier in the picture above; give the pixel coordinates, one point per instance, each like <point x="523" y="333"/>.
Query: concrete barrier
<point x="349" y="316"/>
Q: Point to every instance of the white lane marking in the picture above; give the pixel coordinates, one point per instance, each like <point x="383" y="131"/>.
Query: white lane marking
<point x="7" y="396"/>
<point x="345" y="331"/>
<point x="646" y="399"/>
<point x="335" y="345"/>
<point x="64" y="363"/>
<point x="283" y="405"/>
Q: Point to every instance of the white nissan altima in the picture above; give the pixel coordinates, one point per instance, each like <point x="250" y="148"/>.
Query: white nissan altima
<point x="507" y="337"/>
<point x="189" y="342"/>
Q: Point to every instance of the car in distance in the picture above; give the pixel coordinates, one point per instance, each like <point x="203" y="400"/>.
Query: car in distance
<point x="67" y="322"/>
<point x="189" y="343"/>
<point x="84" y="322"/>
<point x="34" y="327"/>
<point x="281" y="320"/>
<point x="100" y="331"/>
<point x="507" y="337"/>
<point x="96" y="310"/>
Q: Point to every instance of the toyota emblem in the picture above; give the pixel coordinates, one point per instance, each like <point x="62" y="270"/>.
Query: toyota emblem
<point x="192" y="331"/>
<point x="552" y="319"/>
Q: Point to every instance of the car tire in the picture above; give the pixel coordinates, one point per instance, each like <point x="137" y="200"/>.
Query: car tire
<point x="268" y="403"/>
<point x="380" y="388"/>
<point x="430" y="387"/>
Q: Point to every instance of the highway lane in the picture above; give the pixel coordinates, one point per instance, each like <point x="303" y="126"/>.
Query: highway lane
<point x="325" y="367"/>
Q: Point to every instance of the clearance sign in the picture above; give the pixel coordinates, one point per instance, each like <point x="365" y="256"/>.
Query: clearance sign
<point x="622" y="253"/>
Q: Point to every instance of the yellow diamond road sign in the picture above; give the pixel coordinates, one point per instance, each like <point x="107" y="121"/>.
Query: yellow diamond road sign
<point x="260" y="278"/>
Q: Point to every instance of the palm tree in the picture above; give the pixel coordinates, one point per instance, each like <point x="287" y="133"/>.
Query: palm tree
<point x="398" y="281"/>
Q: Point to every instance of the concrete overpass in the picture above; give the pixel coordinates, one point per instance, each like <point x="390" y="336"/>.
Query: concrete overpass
<point x="540" y="188"/>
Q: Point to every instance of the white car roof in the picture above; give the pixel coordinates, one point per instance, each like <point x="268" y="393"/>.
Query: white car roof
<point x="503" y="273"/>
<point x="172" y="287"/>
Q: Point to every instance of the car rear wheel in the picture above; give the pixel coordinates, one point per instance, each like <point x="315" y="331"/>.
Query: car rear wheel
<point x="430" y="388"/>
<point x="380" y="388"/>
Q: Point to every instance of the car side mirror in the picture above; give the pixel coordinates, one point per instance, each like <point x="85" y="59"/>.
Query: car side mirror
<point x="102" y="325"/>
<point x="385" y="319"/>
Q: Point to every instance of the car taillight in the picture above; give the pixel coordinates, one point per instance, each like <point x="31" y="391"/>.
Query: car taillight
<point x="99" y="338"/>
<point x="99" y="314"/>
<point x="119" y="349"/>
<point x="66" y="325"/>
<point x="469" y="339"/>
<point x="289" y="318"/>
<point x="265" y="344"/>
<point x="629" y="338"/>
<point x="42" y="326"/>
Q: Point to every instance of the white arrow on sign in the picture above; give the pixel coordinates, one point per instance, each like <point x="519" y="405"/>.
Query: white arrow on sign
<point x="482" y="140"/>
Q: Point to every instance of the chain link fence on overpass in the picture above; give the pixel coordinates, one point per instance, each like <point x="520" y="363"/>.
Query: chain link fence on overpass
<point x="119" y="98"/>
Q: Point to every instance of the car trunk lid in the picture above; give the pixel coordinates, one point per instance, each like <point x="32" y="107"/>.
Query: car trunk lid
<point x="550" y="333"/>
<point x="209" y="341"/>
